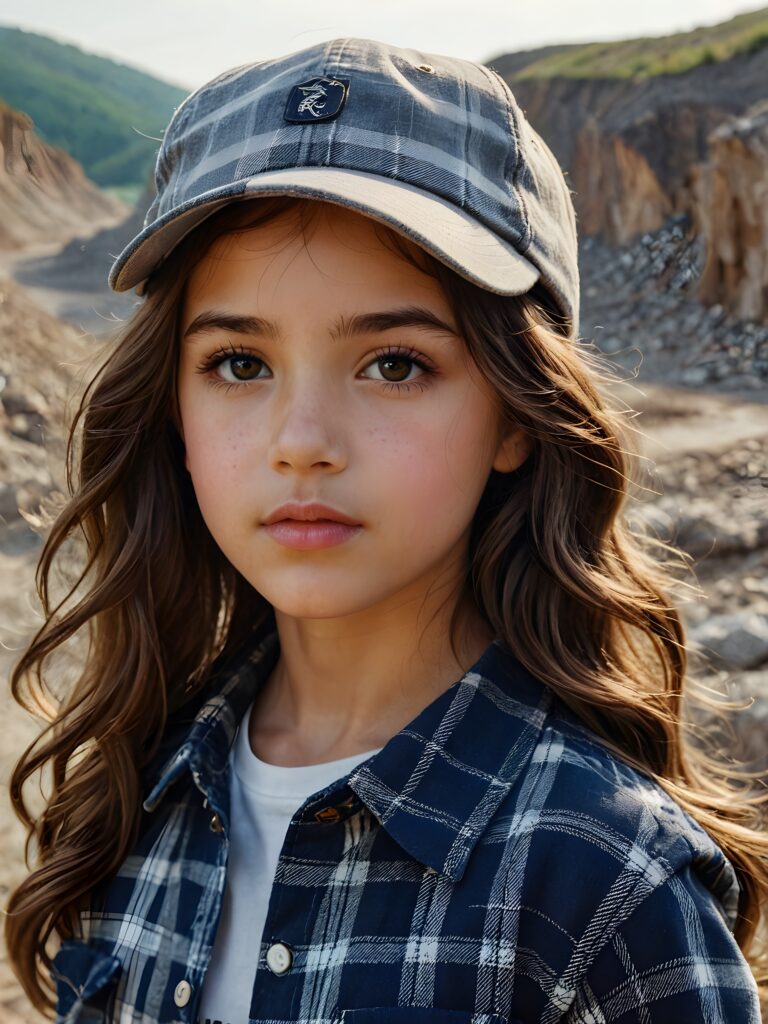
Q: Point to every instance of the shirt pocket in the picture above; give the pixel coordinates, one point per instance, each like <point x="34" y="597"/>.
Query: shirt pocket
<point x="420" y="1015"/>
<point x="85" y="979"/>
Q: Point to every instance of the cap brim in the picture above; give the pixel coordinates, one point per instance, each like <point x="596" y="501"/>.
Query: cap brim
<point x="447" y="232"/>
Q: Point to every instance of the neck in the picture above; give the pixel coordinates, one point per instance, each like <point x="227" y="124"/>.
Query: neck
<point x="331" y="696"/>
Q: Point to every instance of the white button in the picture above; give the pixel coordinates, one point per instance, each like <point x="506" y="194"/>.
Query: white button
<point x="279" y="958"/>
<point x="182" y="993"/>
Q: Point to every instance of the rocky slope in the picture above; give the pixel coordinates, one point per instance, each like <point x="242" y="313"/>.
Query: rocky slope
<point x="637" y="151"/>
<point x="83" y="264"/>
<point x="705" y="490"/>
<point x="641" y="307"/>
<point x="42" y="365"/>
<point x="44" y="194"/>
<point x="731" y="212"/>
<point x="629" y="145"/>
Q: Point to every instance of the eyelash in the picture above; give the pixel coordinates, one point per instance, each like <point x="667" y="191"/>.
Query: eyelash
<point x="409" y="354"/>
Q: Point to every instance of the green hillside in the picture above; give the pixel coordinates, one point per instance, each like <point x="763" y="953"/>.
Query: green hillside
<point x="644" y="57"/>
<point x="91" y="107"/>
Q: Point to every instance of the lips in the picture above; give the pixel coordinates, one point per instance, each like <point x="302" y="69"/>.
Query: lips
<point x="293" y="511"/>
<point x="307" y="534"/>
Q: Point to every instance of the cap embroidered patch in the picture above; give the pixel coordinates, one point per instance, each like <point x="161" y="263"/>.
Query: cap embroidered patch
<point x="319" y="99"/>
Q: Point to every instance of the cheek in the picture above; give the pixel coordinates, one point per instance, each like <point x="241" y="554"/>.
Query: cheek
<point x="430" y="477"/>
<point x="217" y="457"/>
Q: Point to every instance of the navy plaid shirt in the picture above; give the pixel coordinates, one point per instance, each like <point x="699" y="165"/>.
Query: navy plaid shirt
<point x="493" y="863"/>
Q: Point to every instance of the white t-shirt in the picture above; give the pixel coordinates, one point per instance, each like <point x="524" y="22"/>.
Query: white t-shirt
<point x="263" y="799"/>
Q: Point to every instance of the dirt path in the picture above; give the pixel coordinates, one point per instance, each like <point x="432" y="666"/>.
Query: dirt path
<point x="91" y="310"/>
<point x="677" y="419"/>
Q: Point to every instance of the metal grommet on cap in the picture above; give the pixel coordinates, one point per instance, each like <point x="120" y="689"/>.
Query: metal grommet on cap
<point x="426" y="67"/>
<point x="279" y="957"/>
<point x="182" y="993"/>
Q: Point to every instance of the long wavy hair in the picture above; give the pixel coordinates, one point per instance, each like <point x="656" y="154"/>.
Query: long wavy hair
<point x="579" y="593"/>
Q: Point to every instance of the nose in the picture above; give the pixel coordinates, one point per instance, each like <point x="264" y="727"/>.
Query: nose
<point x="307" y="429"/>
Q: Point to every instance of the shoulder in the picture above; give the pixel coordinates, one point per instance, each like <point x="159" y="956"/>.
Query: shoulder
<point x="619" y="890"/>
<point x="597" y="831"/>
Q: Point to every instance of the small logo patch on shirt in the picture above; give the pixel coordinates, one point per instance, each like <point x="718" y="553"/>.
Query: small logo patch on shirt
<point x="318" y="99"/>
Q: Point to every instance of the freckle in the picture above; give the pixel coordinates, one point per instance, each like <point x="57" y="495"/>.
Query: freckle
<point x="379" y="434"/>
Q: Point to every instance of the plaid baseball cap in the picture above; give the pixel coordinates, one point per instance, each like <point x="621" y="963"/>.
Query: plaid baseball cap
<point x="435" y="147"/>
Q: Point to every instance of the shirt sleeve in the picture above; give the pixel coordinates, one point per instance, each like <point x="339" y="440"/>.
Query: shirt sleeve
<point x="674" y="960"/>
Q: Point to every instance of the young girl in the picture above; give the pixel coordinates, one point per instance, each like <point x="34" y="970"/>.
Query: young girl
<point x="381" y="714"/>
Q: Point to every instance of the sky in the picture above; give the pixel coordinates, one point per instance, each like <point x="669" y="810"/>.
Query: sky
<point x="188" y="42"/>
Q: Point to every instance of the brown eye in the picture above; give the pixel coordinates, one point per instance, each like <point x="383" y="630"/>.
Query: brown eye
<point x="243" y="367"/>
<point x="232" y="366"/>
<point x="400" y="364"/>
<point x="397" y="363"/>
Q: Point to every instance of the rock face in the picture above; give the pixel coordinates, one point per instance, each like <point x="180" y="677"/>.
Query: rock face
<point x="624" y="197"/>
<point x="44" y="193"/>
<point x="639" y="152"/>
<point x="629" y="146"/>
<point x="732" y="213"/>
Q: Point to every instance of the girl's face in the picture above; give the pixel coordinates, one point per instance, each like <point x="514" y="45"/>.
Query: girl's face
<point x="284" y="397"/>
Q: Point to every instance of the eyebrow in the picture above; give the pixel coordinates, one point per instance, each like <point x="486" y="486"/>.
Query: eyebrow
<point x="344" y="327"/>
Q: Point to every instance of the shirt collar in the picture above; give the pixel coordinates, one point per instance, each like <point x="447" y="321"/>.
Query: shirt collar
<point x="434" y="786"/>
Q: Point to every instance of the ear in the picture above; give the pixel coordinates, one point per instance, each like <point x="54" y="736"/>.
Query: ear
<point x="514" y="448"/>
